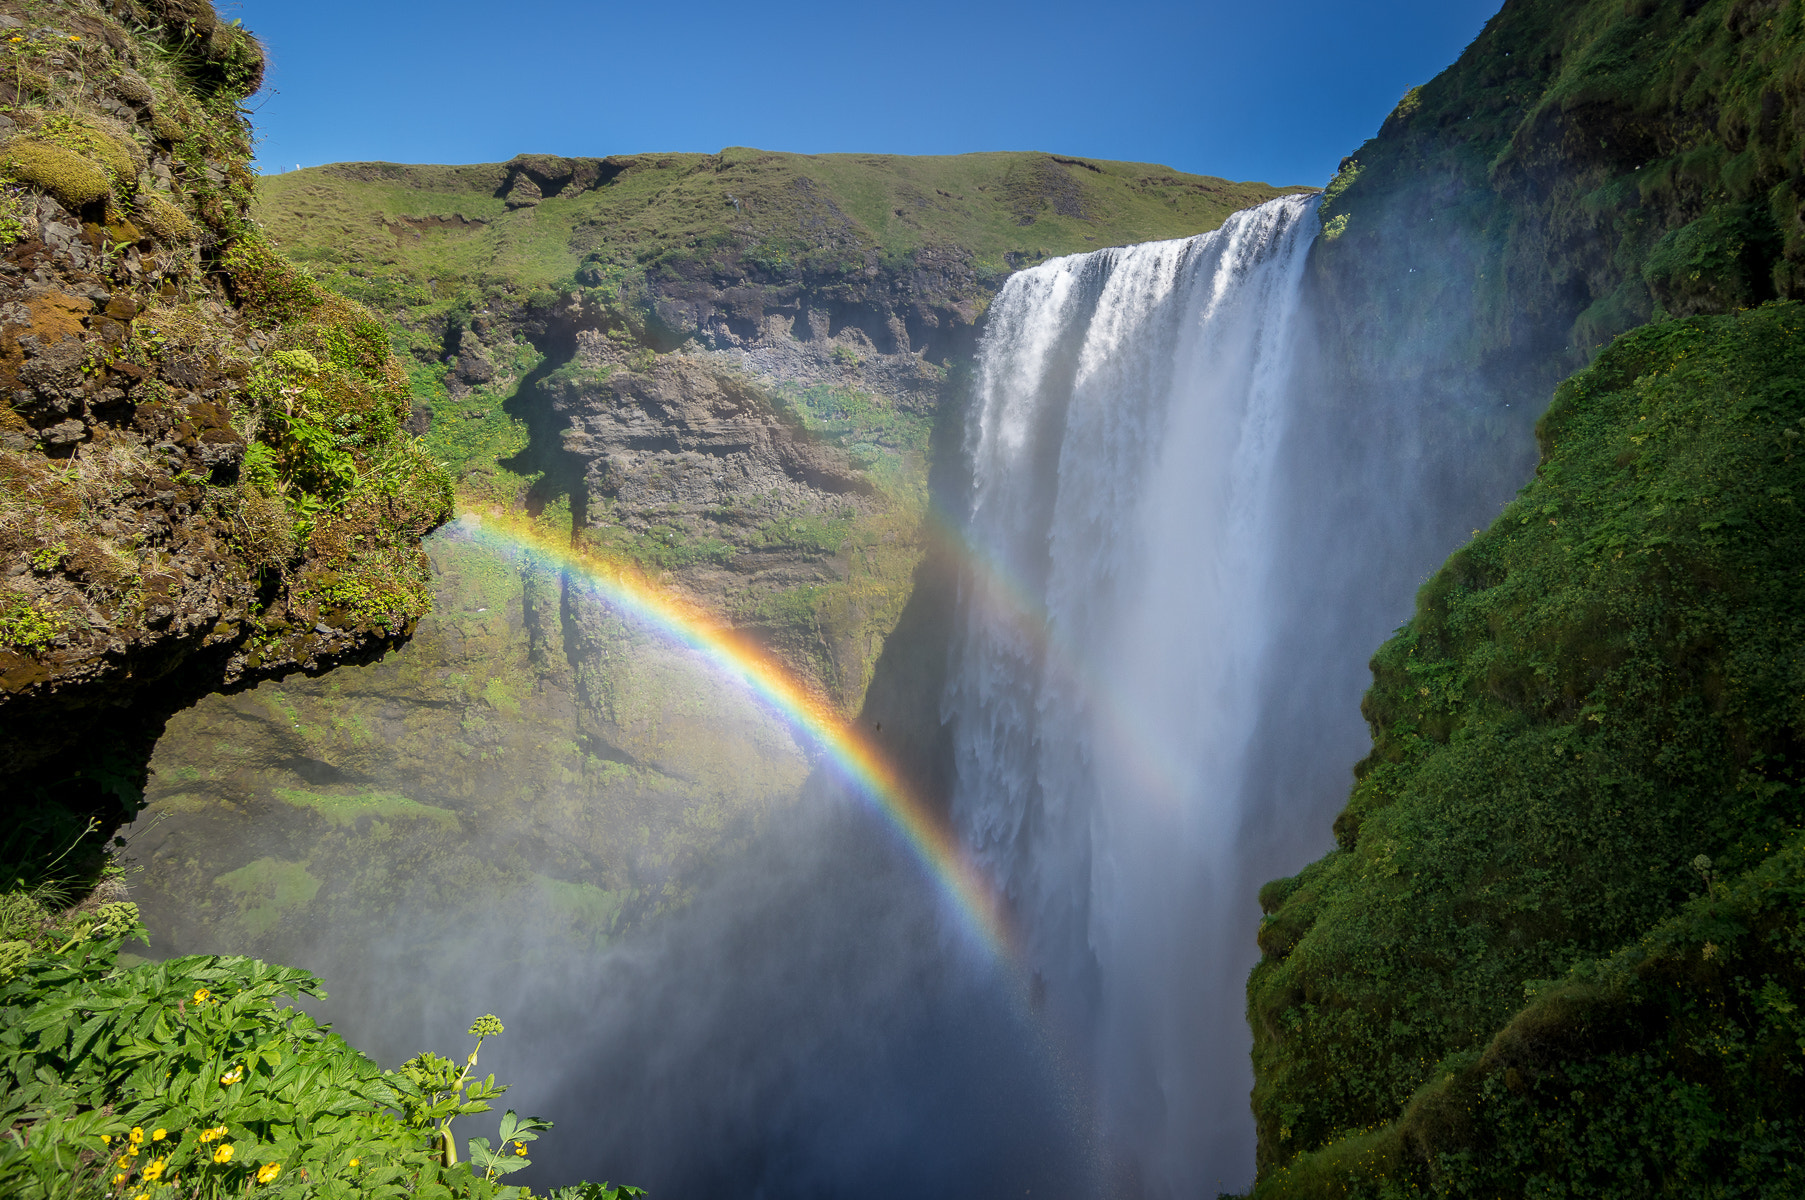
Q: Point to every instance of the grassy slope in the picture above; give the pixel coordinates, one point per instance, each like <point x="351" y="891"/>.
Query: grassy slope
<point x="1596" y="691"/>
<point x="1586" y="166"/>
<point x="1560" y="732"/>
<point x="351" y="218"/>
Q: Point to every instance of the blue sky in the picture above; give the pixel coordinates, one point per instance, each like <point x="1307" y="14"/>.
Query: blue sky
<point x="1269" y="91"/>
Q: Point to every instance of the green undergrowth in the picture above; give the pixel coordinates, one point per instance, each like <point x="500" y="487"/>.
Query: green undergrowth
<point x="327" y="402"/>
<point x="191" y="1078"/>
<point x="1557" y="950"/>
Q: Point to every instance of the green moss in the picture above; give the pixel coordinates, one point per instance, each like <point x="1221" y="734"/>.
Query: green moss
<point x="75" y="181"/>
<point x="267" y="888"/>
<point x="165" y="221"/>
<point x="348" y="809"/>
<point x="1594" y="692"/>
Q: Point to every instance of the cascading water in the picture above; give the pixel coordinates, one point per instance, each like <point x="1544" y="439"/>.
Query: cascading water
<point x="1127" y="500"/>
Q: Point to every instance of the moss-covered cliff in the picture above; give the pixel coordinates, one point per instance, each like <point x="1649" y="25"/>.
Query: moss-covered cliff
<point x="1557" y="948"/>
<point x="204" y="478"/>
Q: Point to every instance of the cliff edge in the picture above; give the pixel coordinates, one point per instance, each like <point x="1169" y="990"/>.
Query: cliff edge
<point x="204" y="476"/>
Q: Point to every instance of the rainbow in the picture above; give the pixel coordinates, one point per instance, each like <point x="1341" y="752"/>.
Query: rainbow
<point x="748" y="665"/>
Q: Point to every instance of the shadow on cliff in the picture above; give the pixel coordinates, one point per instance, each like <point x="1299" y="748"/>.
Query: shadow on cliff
<point x="557" y="474"/>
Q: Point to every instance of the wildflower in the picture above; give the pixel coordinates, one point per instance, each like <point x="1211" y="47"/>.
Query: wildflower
<point x="234" y="1075"/>
<point x="223" y="1154"/>
<point x="354" y="1163"/>
<point x="202" y="995"/>
<point x="519" y="1149"/>
<point x="214" y="1134"/>
<point x="119" y="1179"/>
<point x="142" y="1196"/>
<point x="486" y="1026"/>
<point x="131" y="1151"/>
<point x="106" y="1139"/>
<point x="268" y="1171"/>
<point x="137" y="1135"/>
<point x="157" y="1135"/>
<point x="153" y="1170"/>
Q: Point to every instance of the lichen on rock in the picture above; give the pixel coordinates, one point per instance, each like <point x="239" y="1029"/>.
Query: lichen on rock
<point x="181" y="507"/>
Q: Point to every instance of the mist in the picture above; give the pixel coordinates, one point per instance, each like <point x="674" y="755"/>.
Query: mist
<point x="1193" y="501"/>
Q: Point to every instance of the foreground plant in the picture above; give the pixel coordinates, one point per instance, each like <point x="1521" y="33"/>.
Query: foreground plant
<point x="188" y="1078"/>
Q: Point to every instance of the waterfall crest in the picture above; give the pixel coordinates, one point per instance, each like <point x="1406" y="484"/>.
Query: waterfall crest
<point x="1125" y="447"/>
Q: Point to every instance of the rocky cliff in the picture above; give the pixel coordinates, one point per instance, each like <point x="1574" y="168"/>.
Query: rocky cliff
<point x="203" y="476"/>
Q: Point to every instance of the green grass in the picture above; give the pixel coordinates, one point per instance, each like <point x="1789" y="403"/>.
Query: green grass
<point x="427" y="241"/>
<point x="1597" y="690"/>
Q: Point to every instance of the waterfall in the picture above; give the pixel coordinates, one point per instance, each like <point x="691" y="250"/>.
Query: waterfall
<point x="1116" y="632"/>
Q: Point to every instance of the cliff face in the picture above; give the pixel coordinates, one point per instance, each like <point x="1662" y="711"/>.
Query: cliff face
<point x="1558" y="917"/>
<point x="736" y="373"/>
<point x="723" y="367"/>
<point x="203" y="479"/>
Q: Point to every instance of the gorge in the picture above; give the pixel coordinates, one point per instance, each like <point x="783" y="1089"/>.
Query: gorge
<point x="904" y="610"/>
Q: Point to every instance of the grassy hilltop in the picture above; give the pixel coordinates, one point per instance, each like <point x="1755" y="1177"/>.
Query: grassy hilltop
<point x="416" y="241"/>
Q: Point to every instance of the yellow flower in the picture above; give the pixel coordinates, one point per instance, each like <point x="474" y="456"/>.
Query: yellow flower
<point x="157" y="1135"/>
<point x="131" y="1151"/>
<point x="154" y="1170"/>
<point x="119" y="1179"/>
<point x="213" y="1135"/>
<point x="201" y="995"/>
<point x="223" y="1154"/>
<point x="233" y="1076"/>
<point x="142" y="1196"/>
<point x="519" y="1149"/>
<point x="137" y="1135"/>
<point x="268" y="1171"/>
<point x="106" y="1139"/>
<point x="354" y="1163"/>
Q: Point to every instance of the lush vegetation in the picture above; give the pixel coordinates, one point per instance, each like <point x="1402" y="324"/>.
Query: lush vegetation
<point x="1559" y="949"/>
<point x="189" y="1078"/>
<point x="1583" y="168"/>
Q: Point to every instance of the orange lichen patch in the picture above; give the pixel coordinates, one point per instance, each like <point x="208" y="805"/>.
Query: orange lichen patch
<point x="54" y="316"/>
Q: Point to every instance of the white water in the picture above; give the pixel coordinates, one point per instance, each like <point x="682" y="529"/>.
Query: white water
<point x="1126" y="443"/>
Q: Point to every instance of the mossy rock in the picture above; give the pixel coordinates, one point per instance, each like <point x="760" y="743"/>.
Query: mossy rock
<point x="114" y="151"/>
<point x="166" y="127"/>
<point x="72" y="179"/>
<point x="166" y="222"/>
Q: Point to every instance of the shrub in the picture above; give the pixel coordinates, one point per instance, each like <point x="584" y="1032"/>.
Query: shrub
<point x="118" y="1080"/>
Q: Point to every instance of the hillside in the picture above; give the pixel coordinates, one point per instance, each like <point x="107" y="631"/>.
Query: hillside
<point x="1555" y="950"/>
